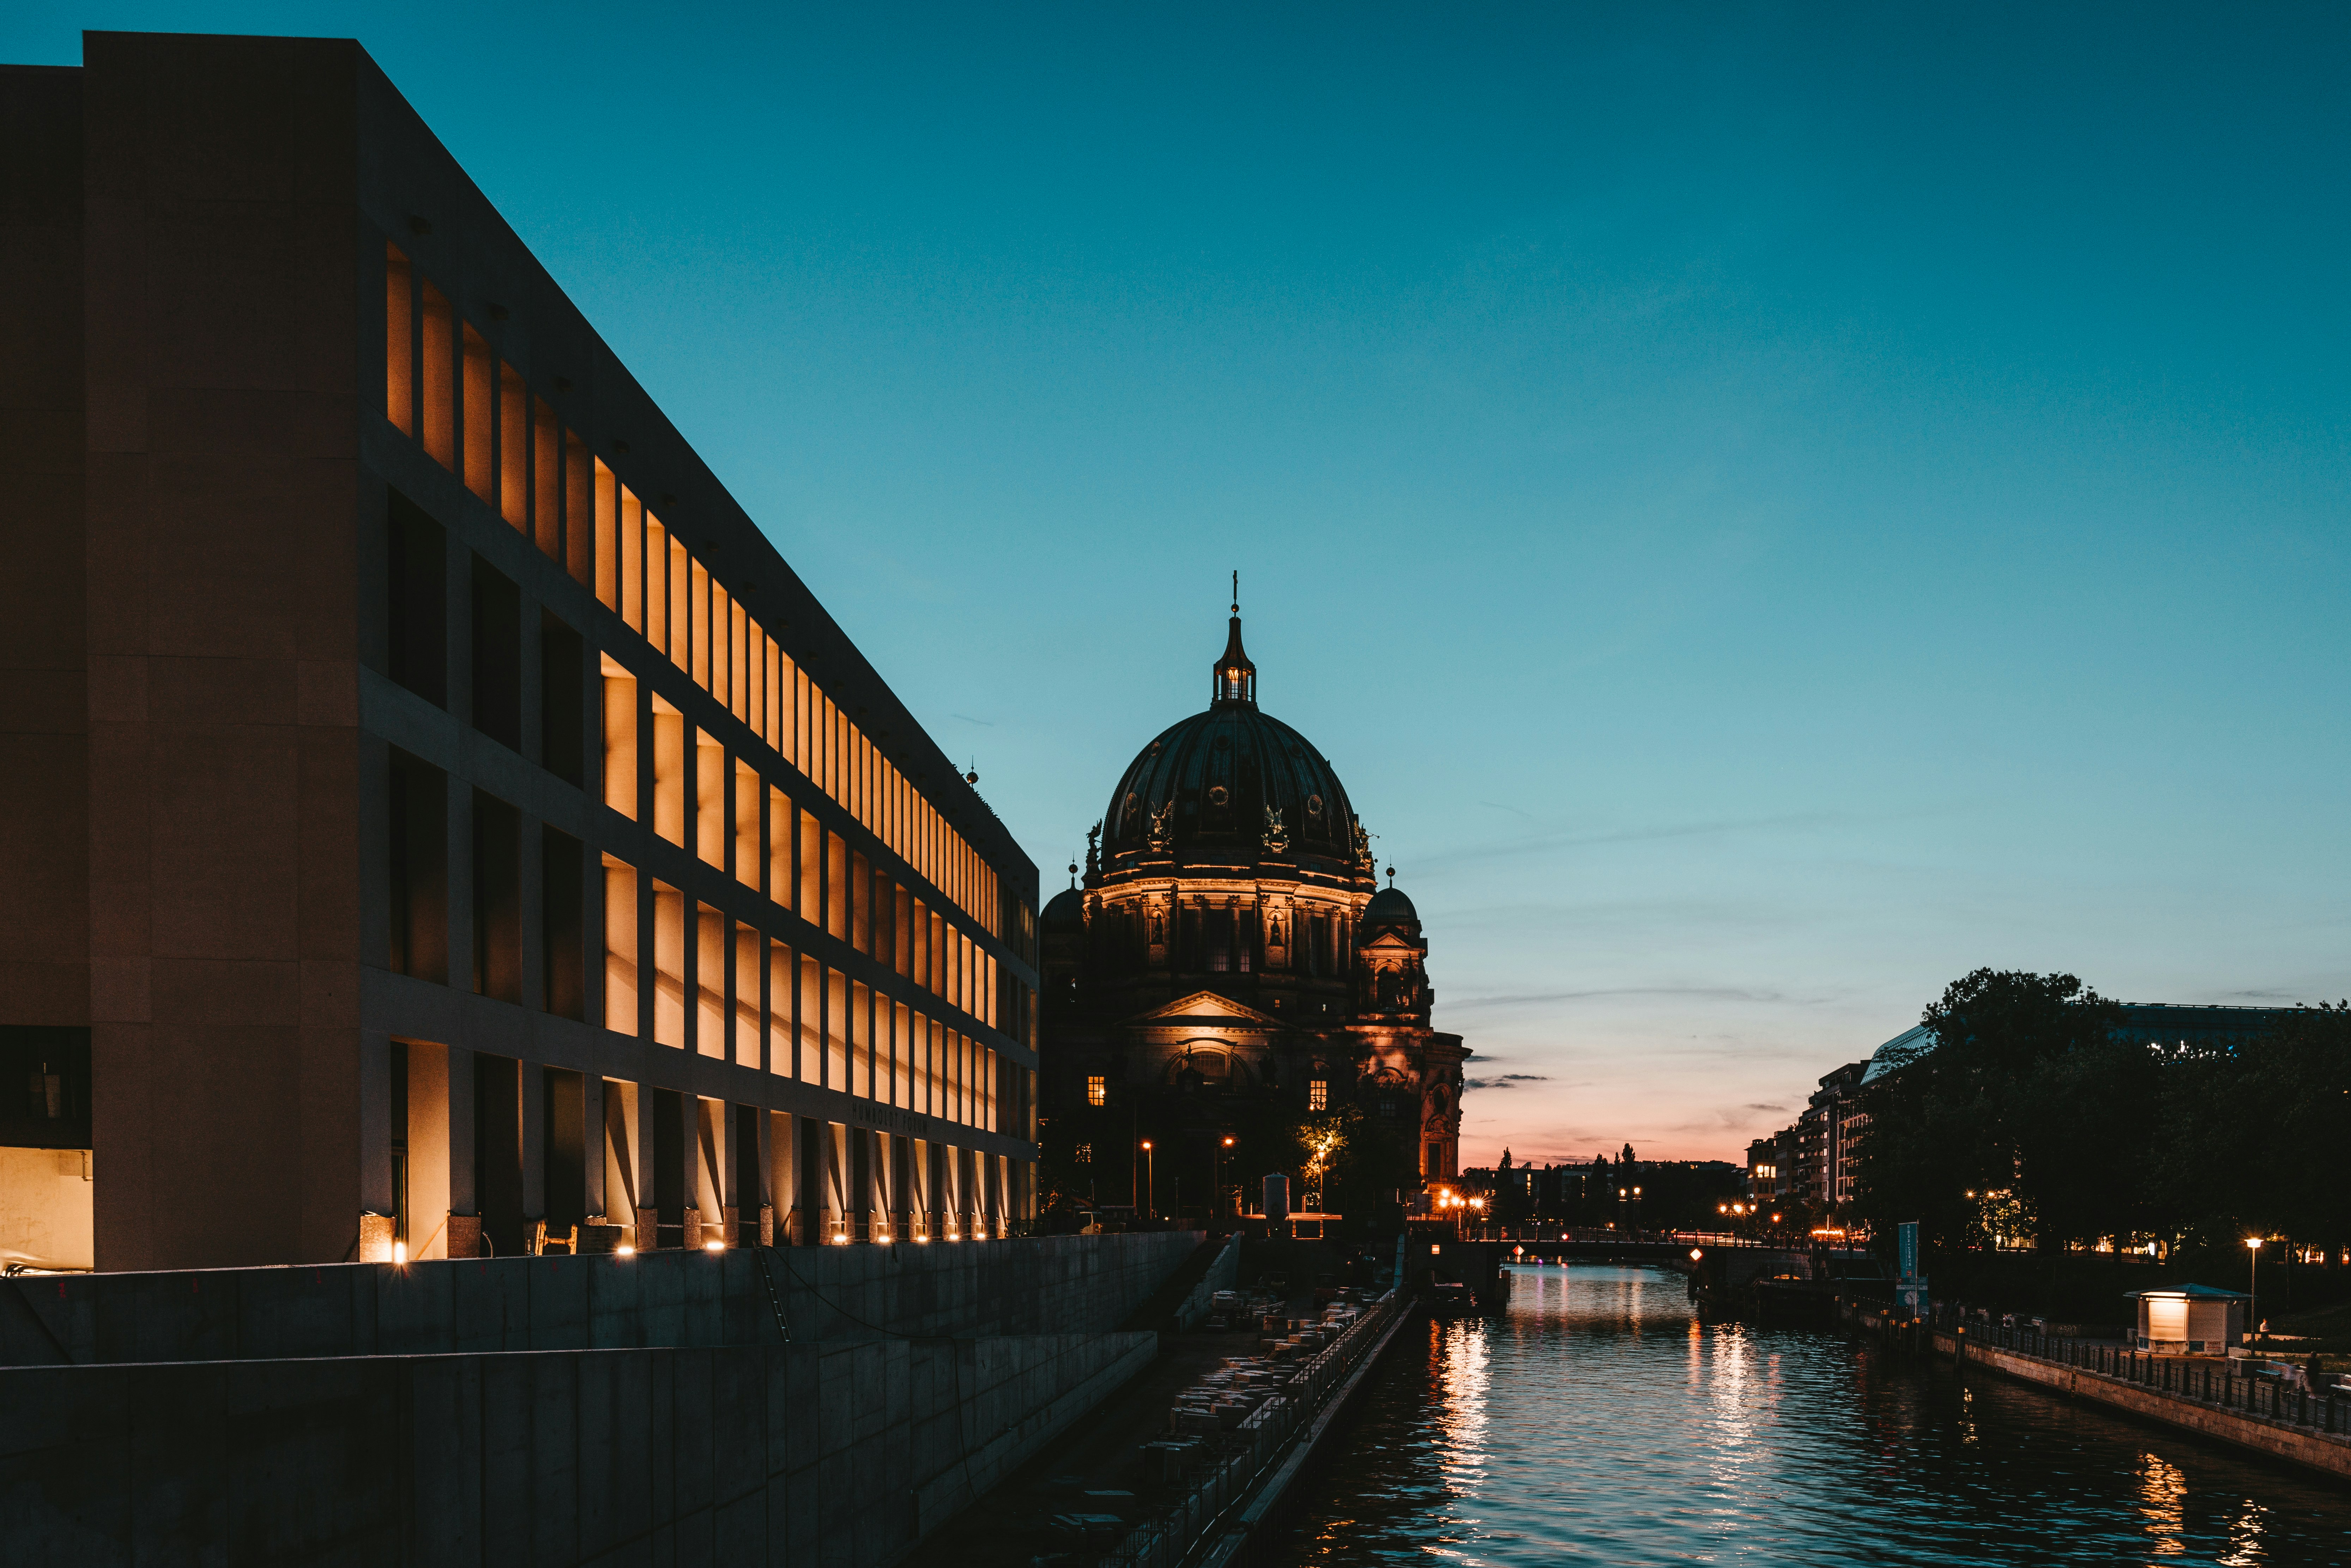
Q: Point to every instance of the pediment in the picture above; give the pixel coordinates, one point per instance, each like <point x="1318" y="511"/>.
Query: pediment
<point x="1205" y="1008"/>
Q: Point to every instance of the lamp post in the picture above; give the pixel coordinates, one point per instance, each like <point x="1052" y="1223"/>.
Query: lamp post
<point x="2254" y="1308"/>
<point x="1150" y="1184"/>
<point x="1218" y="1196"/>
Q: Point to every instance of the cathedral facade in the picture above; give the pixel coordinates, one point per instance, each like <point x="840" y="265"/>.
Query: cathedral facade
<point x="1231" y="954"/>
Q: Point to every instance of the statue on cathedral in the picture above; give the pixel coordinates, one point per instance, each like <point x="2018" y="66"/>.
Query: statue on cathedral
<point x="1363" y="859"/>
<point x="1093" y="849"/>
<point x="1277" y="831"/>
<point x="1163" y="824"/>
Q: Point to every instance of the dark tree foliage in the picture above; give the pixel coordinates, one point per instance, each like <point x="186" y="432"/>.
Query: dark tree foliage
<point x="2251" y="1134"/>
<point x="2022" y="1091"/>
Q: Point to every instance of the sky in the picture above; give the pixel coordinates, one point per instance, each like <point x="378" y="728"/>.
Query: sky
<point x="1767" y="508"/>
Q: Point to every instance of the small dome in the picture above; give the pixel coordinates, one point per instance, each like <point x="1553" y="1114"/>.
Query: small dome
<point x="1389" y="906"/>
<point x="1067" y="911"/>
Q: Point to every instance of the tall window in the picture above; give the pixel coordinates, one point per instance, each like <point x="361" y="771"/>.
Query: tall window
<point x="1097" y="1092"/>
<point x="1317" y="1095"/>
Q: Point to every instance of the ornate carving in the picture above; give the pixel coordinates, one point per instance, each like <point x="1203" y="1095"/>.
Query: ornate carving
<point x="1093" y="849"/>
<point x="1163" y="823"/>
<point x="1277" y="831"/>
<point x="1363" y="858"/>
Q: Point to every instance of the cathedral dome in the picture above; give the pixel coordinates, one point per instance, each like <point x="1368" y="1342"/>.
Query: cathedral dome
<point x="1389" y="906"/>
<point x="1067" y="911"/>
<point x="1231" y="787"/>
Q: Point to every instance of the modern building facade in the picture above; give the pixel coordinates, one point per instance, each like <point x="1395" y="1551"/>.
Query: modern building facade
<point x="437" y="819"/>
<point x="1231" y="946"/>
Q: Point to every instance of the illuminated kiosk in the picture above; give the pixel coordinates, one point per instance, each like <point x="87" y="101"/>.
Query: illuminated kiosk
<point x="2194" y="1319"/>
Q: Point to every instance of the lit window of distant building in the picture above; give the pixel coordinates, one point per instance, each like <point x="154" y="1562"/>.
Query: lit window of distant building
<point x="1097" y="1092"/>
<point x="1086" y="1152"/>
<point x="1318" y="1095"/>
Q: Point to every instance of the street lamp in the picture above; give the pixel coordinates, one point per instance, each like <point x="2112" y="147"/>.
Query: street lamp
<point x="1150" y="1184"/>
<point x="1218" y="1197"/>
<point x="2254" y="1308"/>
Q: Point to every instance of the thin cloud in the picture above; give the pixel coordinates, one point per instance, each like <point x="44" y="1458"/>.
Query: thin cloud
<point x="1716" y="993"/>
<point x="1538" y="844"/>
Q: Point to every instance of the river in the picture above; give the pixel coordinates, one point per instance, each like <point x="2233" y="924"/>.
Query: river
<point x="1596" y="1420"/>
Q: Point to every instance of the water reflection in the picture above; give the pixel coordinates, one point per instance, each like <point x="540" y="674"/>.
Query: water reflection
<point x="1595" y="1421"/>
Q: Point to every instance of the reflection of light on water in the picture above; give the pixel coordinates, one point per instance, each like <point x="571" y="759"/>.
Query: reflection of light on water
<point x="2163" y="1503"/>
<point x="1464" y="1375"/>
<point x="2244" y="1537"/>
<point x="1590" y="1423"/>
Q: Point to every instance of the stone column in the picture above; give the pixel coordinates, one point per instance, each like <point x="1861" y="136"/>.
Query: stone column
<point x="464" y="1235"/>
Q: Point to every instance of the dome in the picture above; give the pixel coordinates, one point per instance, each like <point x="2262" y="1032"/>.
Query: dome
<point x="1230" y="787"/>
<point x="1388" y="906"/>
<point x="1067" y="911"/>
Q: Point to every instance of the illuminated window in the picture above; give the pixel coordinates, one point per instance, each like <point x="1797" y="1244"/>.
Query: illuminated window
<point x="1097" y="1092"/>
<point x="1318" y="1095"/>
<point x="1084" y="1153"/>
<point x="620" y="947"/>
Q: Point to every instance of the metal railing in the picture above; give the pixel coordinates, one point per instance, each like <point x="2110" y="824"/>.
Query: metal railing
<point x="1585" y="1235"/>
<point x="1165" y="1539"/>
<point x="2264" y="1396"/>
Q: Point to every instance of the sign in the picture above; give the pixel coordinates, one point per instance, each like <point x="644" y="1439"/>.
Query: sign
<point x="1909" y="1285"/>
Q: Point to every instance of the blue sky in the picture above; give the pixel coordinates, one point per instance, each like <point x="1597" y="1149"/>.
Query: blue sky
<point x="1767" y="508"/>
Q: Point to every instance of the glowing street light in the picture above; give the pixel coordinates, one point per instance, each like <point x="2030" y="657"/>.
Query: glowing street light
<point x="2253" y="1307"/>
<point x="1150" y="1183"/>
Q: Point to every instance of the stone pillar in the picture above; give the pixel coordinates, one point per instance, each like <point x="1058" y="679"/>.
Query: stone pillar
<point x="693" y="1177"/>
<point x="377" y="1200"/>
<point x="714" y="1176"/>
<point x="783" y="1173"/>
<point x="761" y="1128"/>
<point x="593" y="1138"/>
<point x="465" y="1232"/>
<point x="533" y="1092"/>
<point x="649" y="1185"/>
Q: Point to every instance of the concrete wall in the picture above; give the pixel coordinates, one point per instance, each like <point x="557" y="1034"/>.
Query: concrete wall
<point x="844" y="1454"/>
<point x="220" y="376"/>
<point x="2328" y="1451"/>
<point x="44" y="743"/>
<point x="1048" y="1284"/>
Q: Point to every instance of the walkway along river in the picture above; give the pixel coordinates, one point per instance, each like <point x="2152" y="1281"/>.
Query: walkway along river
<point x="1595" y="1420"/>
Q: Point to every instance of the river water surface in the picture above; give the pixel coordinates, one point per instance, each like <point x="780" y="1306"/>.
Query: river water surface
<point x="1596" y="1421"/>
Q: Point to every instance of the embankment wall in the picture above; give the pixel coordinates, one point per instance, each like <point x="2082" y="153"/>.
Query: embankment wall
<point x="841" y="1453"/>
<point x="672" y="1299"/>
<point x="2326" y="1451"/>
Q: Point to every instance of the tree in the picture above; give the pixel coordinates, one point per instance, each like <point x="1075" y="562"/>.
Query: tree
<point x="2014" y="1091"/>
<point x="2249" y="1131"/>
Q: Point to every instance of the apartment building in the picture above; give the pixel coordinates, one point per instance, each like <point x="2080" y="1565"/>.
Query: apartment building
<point x="438" y="820"/>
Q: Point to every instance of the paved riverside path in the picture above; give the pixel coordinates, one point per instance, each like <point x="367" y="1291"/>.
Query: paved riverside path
<point x="1099" y="1451"/>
